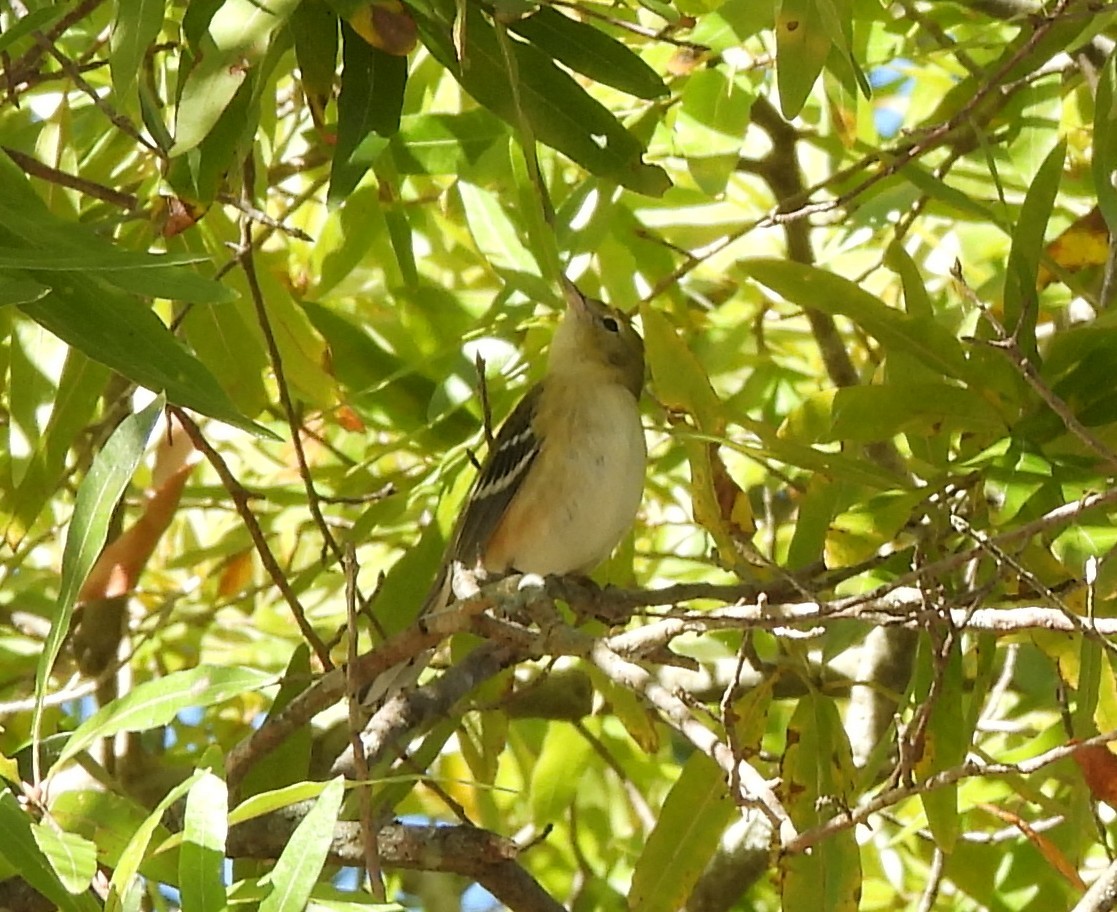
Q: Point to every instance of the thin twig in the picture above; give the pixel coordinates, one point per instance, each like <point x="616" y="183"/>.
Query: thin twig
<point x="118" y="120"/>
<point x="247" y="261"/>
<point x="753" y="789"/>
<point x="36" y="168"/>
<point x="353" y="693"/>
<point x="934" y="881"/>
<point x="240" y="500"/>
<point x="971" y="769"/>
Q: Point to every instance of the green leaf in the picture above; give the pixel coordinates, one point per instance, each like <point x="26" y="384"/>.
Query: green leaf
<point x="97" y="497"/>
<point x="918" y="336"/>
<point x="680" y="380"/>
<point x="818" y="777"/>
<point x="297" y="868"/>
<point x="1021" y="297"/>
<point x="945" y="743"/>
<point x="684" y="839"/>
<point x="315" y="27"/>
<point x="236" y="40"/>
<point x="954" y="202"/>
<point x="73" y="857"/>
<point x="109" y="821"/>
<point x="74" y="404"/>
<point x="553" y="790"/>
<point x="274" y="800"/>
<point x="35" y="20"/>
<point x="879" y="412"/>
<point x="714" y="115"/>
<point x="560" y="112"/>
<point x="119" y="332"/>
<point x="817" y="507"/>
<point x="494" y="232"/>
<point x="802" y="46"/>
<point x="829" y="464"/>
<point x="210" y="87"/>
<point x="155" y="276"/>
<point x="302" y="351"/>
<point x="731" y="24"/>
<point x="133" y="855"/>
<point x="155" y="703"/>
<point x="589" y="51"/>
<point x="444" y="143"/>
<point x="135" y="26"/>
<point x="224" y="340"/>
<point x="290" y="761"/>
<point x="368" y="109"/>
<point x="202" y="857"/>
<point x="35" y="240"/>
<point x="1105" y="143"/>
<point x="916" y="299"/>
<point x="19" y="289"/>
<point x="20" y="849"/>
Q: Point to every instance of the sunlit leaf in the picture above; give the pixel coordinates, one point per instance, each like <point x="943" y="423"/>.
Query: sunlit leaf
<point x="157" y="702"/>
<point x="686" y="833"/>
<point x="297" y="869"/>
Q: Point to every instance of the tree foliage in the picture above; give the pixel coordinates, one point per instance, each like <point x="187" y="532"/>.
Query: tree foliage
<point x="267" y="269"/>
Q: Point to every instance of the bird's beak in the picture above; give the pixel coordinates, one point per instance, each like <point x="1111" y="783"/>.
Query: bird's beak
<point x="575" y="300"/>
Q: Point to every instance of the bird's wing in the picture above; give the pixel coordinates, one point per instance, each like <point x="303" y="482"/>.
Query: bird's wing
<point x="513" y="451"/>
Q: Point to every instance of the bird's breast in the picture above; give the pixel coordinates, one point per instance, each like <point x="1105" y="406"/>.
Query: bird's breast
<point x="584" y="489"/>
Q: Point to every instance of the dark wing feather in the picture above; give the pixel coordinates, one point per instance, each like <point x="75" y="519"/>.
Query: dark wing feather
<point x="506" y="465"/>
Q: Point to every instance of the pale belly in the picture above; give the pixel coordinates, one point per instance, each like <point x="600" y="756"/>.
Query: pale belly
<point x="597" y="487"/>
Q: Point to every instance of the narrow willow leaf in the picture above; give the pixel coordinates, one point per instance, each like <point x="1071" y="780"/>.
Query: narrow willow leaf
<point x="817" y="507"/>
<point x="945" y="743"/>
<point x="98" y="495"/>
<point x="444" y="143"/>
<point x="296" y="871"/>
<point x="810" y="287"/>
<point x="202" y="856"/>
<point x="1021" y="298"/>
<point x="680" y="380"/>
<point x="802" y="47"/>
<point x="1104" y="159"/>
<point x="589" y="51"/>
<point x="494" y="231"/>
<point x="916" y="299"/>
<point x="73" y="857"/>
<point x="368" y="110"/>
<point x="315" y="27"/>
<point x="684" y="839"/>
<point x="290" y="761"/>
<point x="157" y="702"/>
<point x="818" y="779"/>
<point x="275" y="800"/>
<point x="561" y="113"/>
<point x="135" y="27"/>
<point x="20" y="289"/>
<point x="552" y="788"/>
<point x="120" y="332"/>
<point x="21" y="851"/>
<point x="133" y="855"/>
<point x="23" y="26"/>
<point x="879" y="412"/>
<point x="233" y="349"/>
<point x="49" y="249"/>
<point x="237" y="37"/>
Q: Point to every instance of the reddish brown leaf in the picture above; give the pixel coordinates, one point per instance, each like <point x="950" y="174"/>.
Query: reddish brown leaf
<point x="1099" y="769"/>
<point x="1047" y="849"/>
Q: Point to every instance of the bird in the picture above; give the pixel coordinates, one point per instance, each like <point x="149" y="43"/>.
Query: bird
<point x="563" y="478"/>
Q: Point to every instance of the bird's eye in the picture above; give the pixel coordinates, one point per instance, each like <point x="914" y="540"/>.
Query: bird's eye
<point x="611" y="324"/>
